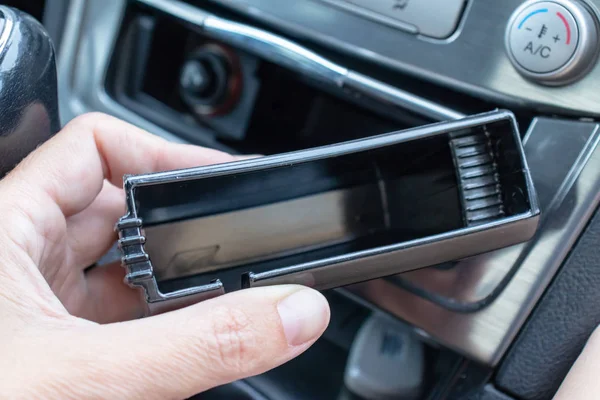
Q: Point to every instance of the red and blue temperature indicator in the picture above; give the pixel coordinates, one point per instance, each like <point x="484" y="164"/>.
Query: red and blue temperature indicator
<point x="558" y="15"/>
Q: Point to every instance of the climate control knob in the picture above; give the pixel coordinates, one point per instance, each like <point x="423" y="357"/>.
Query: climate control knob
<point x="552" y="42"/>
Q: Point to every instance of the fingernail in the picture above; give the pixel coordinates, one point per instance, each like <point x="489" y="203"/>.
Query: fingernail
<point x="304" y="316"/>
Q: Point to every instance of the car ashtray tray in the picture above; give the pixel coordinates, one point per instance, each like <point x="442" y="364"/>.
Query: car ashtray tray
<point x="329" y="216"/>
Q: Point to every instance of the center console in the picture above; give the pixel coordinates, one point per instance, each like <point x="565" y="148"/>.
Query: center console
<point x="272" y="76"/>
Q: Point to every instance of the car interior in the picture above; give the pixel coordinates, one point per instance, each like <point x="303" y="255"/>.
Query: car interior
<point x="431" y="165"/>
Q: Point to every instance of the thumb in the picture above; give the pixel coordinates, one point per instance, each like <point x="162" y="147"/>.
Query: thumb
<point x="179" y="354"/>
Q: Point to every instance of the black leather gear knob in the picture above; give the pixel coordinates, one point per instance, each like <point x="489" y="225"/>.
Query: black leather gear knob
<point x="28" y="87"/>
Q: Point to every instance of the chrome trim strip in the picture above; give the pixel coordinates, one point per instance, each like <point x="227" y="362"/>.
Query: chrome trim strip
<point x="387" y="94"/>
<point x="271" y="47"/>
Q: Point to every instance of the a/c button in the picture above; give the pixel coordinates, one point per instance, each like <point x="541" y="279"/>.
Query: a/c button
<point x="543" y="37"/>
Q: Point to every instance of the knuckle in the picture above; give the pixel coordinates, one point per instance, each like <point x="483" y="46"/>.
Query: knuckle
<point x="233" y="338"/>
<point x="89" y="119"/>
<point x="87" y="124"/>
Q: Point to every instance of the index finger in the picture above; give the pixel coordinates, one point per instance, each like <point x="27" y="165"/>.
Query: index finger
<point x="71" y="166"/>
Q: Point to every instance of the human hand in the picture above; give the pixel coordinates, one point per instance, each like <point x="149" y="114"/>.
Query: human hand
<point x="582" y="381"/>
<point x="58" y="209"/>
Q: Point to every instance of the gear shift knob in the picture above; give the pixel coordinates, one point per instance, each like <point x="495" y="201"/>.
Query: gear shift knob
<point x="28" y="88"/>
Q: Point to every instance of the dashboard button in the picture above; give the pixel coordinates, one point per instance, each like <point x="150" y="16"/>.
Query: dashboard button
<point x="553" y="42"/>
<point x="411" y="15"/>
<point x="544" y="37"/>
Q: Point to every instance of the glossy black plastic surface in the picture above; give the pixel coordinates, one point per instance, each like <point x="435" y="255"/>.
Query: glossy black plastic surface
<point x="28" y="88"/>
